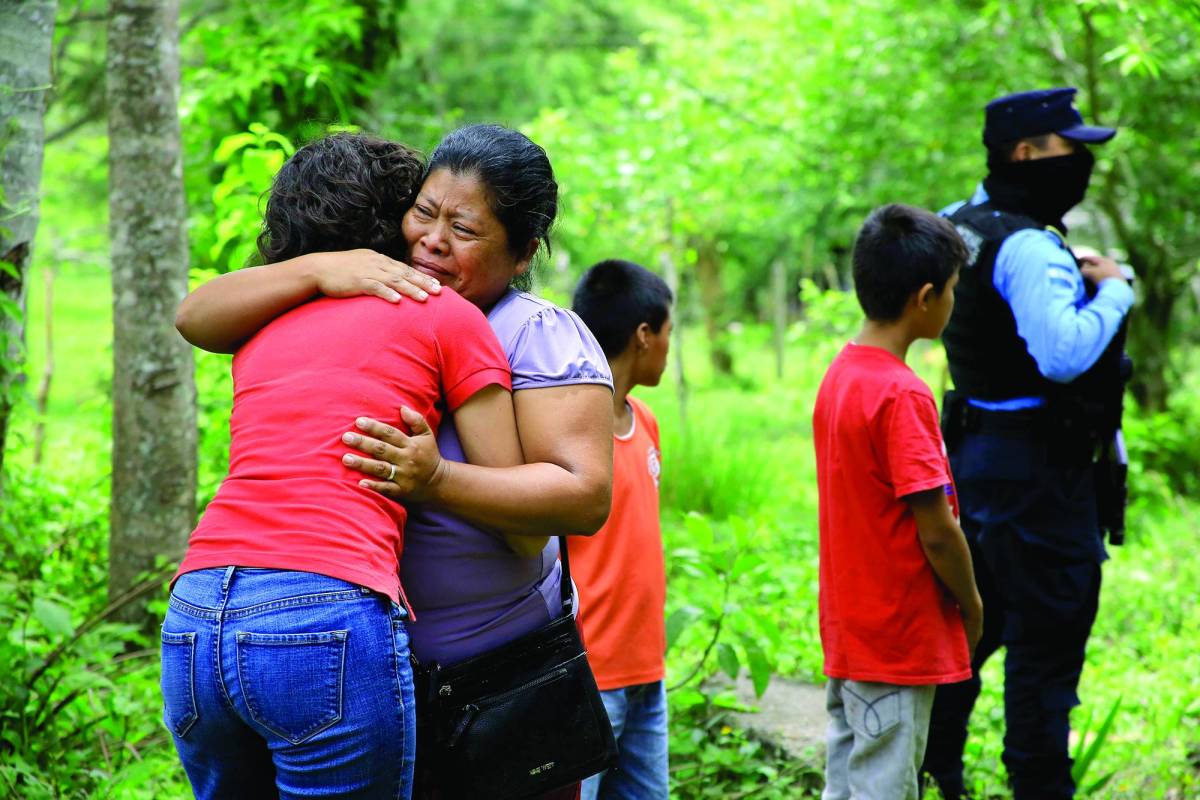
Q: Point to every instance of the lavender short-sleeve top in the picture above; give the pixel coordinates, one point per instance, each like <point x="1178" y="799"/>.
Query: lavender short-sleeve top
<point x="470" y="592"/>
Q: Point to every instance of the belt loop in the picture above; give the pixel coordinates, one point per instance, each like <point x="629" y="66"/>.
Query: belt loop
<point x="227" y="579"/>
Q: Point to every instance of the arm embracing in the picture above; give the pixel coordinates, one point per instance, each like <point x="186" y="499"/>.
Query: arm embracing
<point x="487" y="429"/>
<point x="566" y="434"/>
<point x="565" y="431"/>
<point x="223" y="313"/>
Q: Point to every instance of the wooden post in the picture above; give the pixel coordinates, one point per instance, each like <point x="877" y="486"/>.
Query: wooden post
<point x="779" y="309"/>
<point x="42" y="402"/>
<point x="671" y="276"/>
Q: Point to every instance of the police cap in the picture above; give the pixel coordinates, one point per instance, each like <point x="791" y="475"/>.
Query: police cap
<point x="1026" y="114"/>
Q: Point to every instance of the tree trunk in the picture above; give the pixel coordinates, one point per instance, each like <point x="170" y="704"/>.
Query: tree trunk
<point x="154" y="394"/>
<point x="713" y="299"/>
<point x="779" y="312"/>
<point x="1150" y="333"/>
<point x="671" y="275"/>
<point x="26" y="36"/>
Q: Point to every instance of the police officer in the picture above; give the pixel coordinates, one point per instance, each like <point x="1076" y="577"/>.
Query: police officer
<point x="1035" y="348"/>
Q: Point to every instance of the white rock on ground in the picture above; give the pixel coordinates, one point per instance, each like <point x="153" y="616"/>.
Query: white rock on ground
<point x="790" y="714"/>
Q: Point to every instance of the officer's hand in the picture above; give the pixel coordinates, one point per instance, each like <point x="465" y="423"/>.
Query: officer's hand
<point x="1097" y="268"/>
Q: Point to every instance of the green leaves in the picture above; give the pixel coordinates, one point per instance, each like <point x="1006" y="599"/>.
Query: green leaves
<point x="678" y="622"/>
<point x="55" y="617"/>
<point x="250" y="159"/>
<point x="1090" y="745"/>
<point x="760" y="665"/>
<point x="727" y="657"/>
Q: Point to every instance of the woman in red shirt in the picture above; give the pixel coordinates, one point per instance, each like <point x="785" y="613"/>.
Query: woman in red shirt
<point x="286" y="665"/>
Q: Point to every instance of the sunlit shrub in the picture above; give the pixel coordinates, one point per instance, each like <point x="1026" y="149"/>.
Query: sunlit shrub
<point x="79" y="702"/>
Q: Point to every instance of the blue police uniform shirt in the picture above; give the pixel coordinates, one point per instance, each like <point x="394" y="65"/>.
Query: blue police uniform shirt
<point x="1064" y="331"/>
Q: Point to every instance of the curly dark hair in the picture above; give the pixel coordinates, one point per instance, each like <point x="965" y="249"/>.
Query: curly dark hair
<point x="341" y="192"/>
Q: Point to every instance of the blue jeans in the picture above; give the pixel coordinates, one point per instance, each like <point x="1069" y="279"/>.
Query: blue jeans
<point x="287" y="684"/>
<point x="639" y="720"/>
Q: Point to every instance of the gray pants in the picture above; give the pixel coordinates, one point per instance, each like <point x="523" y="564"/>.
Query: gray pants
<point x="876" y="739"/>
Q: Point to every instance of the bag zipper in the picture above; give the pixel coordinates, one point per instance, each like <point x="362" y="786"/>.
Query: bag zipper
<point x="538" y="681"/>
<point x="471" y="710"/>
<point x="447" y="689"/>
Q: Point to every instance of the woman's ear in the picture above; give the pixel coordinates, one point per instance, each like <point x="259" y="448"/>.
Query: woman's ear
<point x="527" y="258"/>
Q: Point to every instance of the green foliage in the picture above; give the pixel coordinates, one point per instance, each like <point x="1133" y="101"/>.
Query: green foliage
<point x="214" y="390"/>
<point x="1163" y="458"/>
<point x="250" y="160"/>
<point x="1090" y="744"/>
<point x="79" y="699"/>
<point x="713" y="758"/>
<point x="263" y="67"/>
<point x="727" y="561"/>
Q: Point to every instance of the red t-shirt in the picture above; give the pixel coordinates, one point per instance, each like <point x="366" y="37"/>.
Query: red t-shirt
<point x="288" y="501"/>
<point x="885" y="616"/>
<point x="620" y="571"/>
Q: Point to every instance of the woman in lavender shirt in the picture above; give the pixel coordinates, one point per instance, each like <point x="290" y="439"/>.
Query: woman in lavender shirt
<point x="484" y="209"/>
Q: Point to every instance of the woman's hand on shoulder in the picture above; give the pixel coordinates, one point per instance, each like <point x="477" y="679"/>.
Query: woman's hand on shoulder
<point x="352" y="273"/>
<point x="401" y="466"/>
<point x="224" y="313"/>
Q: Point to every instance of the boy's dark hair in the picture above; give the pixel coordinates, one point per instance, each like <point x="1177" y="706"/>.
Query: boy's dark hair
<point x="614" y="297"/>
<point x="341" y="192"/>
<point x="518" y="178"/>
<point x="899" y="249"/>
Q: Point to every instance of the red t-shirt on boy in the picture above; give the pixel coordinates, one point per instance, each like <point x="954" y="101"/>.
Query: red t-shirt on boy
<point x="620" y="571"/>
<point x="885" y="616"/>
<point x="288" y="501"/>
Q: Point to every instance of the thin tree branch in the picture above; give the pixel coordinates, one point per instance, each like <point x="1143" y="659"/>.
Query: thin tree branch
<point x="117" y="604"/>
<point x="92" y="115"/>
<point x="711" y="643"/>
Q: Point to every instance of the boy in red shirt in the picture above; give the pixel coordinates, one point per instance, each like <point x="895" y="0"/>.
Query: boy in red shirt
<point x="620" y="570"/>
<point x="900" y="611"/>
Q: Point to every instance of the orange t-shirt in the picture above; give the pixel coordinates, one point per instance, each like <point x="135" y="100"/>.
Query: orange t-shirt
<point x="620" y="570"/>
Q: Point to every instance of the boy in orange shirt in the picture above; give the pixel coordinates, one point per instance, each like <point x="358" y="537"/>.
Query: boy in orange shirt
<point x="620" y="570"/>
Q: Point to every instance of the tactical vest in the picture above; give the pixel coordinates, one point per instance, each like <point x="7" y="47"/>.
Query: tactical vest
<point x="990" y="361"/>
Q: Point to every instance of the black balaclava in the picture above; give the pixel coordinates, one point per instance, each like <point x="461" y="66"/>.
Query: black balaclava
<point x="1042" y="188"/>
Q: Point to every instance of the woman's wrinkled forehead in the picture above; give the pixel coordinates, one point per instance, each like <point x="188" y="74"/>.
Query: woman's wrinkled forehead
<point x="465" y="189"/>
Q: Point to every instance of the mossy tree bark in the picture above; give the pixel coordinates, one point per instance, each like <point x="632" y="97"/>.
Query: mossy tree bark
<point x="154" y="395"/>
<point x="26" y="36"/>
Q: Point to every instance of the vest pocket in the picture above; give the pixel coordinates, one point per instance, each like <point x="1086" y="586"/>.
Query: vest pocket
<point x="292" y="682"/>
<point x="178" y="681"/>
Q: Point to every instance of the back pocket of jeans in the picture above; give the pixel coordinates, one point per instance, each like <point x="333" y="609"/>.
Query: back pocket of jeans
<point x="871" y="710"/>
<point x="292" y="682"/>
<point x="178" y="681"/>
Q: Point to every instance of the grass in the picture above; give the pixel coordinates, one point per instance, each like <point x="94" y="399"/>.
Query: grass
<point x="743" y="461"/>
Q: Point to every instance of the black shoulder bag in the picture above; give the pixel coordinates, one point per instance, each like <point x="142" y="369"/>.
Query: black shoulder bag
<point x="517" y="721"/>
